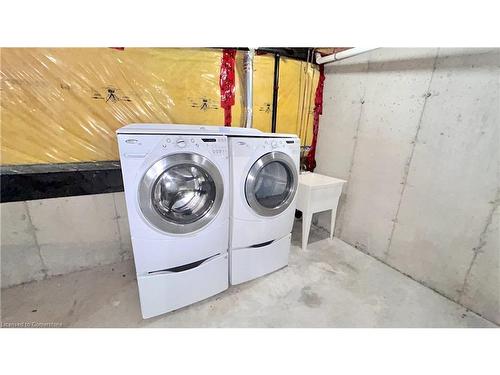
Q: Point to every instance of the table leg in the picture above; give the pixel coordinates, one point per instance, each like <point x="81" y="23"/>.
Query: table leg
<point x="332" y="222"/>
<point x="306" y="226"/>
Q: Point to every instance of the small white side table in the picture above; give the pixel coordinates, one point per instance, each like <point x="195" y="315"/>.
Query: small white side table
<point x="317" y="193"/>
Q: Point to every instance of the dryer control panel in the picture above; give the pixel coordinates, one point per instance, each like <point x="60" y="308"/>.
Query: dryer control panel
<point x="246" y="147"/>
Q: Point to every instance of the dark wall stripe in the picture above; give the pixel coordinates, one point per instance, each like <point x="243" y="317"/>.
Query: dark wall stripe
<point x="29" y="182"/>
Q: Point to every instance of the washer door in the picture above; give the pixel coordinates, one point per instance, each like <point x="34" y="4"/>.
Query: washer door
<point x="271" y="184"/>
<point x="181" y="193"/>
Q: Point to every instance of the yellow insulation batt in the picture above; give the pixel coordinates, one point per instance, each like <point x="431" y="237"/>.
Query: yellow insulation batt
<point x="297" y="89"/>
<point x="62" y="105"/>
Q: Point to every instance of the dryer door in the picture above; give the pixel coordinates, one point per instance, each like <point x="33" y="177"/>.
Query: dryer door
<point x="271" y="184"/>
<point x="181" y="193"/>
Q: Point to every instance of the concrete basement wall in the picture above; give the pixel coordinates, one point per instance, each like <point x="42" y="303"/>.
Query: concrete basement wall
<point x="48" y="237"/>
<point x="416" y="134"/>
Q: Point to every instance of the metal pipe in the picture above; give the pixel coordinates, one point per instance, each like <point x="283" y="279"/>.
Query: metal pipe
<point x="275" y="91"/>
<point x="303" y="96"/>
<point x="248" y="66"/>
<point x="341" y="55"/>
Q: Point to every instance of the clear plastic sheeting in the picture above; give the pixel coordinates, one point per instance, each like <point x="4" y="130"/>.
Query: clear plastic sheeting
<point x="64" y="105"/>
<point x="61" y="105"/>
<point x="297" y="87"/>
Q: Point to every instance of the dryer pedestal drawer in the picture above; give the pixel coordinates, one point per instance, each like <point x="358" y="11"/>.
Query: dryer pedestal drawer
<point x="250" y="263"/>
<point x="163" y="292"/>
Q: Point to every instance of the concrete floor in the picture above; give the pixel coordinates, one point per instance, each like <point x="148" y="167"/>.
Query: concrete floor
<point x="330" y="285"/>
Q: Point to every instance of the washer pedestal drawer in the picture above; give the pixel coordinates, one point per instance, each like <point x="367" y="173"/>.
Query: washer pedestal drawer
<point x="253" y="262"/>
<point x="163" y="292"/>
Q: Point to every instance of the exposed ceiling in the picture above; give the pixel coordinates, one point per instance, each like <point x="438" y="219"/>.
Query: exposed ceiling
<point x="331" y="50"/>
<point x="299" y="53"/>
<point x="303" y="53"/>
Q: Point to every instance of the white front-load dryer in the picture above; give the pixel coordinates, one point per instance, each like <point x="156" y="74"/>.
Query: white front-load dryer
<point x="176" y="181"/>
<point x="264" y="180"/>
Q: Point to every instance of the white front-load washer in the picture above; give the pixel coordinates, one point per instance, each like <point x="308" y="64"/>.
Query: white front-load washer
<point x="176" y="180"/>
<point x="264" y="179"/>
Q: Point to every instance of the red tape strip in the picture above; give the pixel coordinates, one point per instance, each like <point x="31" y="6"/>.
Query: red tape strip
<point x="226" y="83"/>
<point x="318" y="110"/>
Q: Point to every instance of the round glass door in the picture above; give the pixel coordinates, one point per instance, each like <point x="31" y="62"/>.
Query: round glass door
<point x="271" y="184"/>
<point x="181" y="193"/>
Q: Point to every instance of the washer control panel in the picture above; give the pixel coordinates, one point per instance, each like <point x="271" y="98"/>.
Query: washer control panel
<point x="141" y="146"/>
<point x="217" y="146"/>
